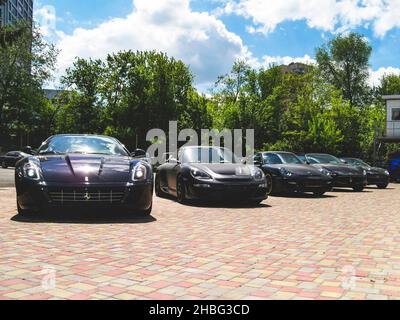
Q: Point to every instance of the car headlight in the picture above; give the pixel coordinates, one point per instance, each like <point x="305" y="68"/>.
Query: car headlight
<point x="326" y="172"/>
<point x="257" y="174"/>
<point x="286" y="172"/>
<point x="139" y="172"/>
<point x="199" y="174"/>
<point x="31" y="171"/>
<point x="387" y="172"/>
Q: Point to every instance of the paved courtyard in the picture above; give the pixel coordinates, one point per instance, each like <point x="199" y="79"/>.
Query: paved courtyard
<point x="343" y="246"/>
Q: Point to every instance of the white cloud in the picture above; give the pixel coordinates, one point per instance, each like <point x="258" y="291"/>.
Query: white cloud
<point x="199" y="39"/>
<point x="376" y="76"/>
<point x="325" y="15"/>
<point x="278" y="60"/>
<point x="46" y="18"/>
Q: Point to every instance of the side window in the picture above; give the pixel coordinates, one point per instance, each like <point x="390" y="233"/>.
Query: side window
<point x="311" y="160"/>
<point x="271" y="158"/>
<point x="11" y="154"/>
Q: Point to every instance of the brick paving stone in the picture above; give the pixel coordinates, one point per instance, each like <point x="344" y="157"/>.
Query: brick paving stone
<point x="343" y="246"/>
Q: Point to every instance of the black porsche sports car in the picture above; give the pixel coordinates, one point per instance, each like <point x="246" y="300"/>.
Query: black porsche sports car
<point x="210" y="173"/>
<point x="375" y="176"/>
<point x="83" y="171"/>
<point x="344" y="175"/>
<point x="290" y="174"/>
<point x="11" y="158"/>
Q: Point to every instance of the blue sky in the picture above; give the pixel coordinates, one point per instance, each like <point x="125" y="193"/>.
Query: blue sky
<point x="210" y="34"/>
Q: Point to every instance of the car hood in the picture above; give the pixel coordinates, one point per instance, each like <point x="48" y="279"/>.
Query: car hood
<point x="297" y="169"/>
<point x="224" y="169"/>
<point x="340" y="169"/>
<point x="85" y="168"/>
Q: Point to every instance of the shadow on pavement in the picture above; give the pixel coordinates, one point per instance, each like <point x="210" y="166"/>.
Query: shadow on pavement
<point x="302" y="196"/>
<point x="229" y="204"/>
<point x="85" y="217"/>
<point x="337" y="190"/>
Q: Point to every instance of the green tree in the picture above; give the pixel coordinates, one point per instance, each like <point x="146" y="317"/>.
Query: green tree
<point x="344" y="63"/>
<point x="25" y="65"/>
<point x="390" y="85"/>
<point x="83" y="110"/>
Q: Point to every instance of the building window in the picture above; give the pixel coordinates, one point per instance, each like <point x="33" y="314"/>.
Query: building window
<point x="396" y="114"/>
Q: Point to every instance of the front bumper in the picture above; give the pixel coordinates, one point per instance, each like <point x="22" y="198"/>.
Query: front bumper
<point x="301" y="184"/>
<point x="344" y="181"/>
<point x="33" y="195"/>
<point x="374" y="179"/>
<point x="224" y="190"/>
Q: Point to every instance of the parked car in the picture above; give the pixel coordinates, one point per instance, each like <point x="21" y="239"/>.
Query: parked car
<point x="290" y="174"/>
<point x="11" y="158"/>
<point x="344" y="175"/>
<point x="84" y="171"/>
<point x="210" y="173"/>
<point x="375" y="176"/>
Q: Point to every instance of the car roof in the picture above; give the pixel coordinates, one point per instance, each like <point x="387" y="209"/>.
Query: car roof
<point x="80" y="135"/>
<point x="202" y="147"/>
<point x="288" y="152"/>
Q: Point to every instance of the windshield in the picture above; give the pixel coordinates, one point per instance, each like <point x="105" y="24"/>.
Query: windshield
<point x="357" y="162"/>
<point x="289" y="158"/>
<point x="323" y="158"/>
<point x="208" y="155"/>
<point x="82" y="145"/>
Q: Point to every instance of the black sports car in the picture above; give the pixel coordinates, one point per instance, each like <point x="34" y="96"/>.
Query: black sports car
<point x="375" y="176"/>
<point x="84" y="171"/>
<point x="344" y="175"/>
<point x="290" y="174"/>
<point x="210" y="173"/>
<point x="11" y="158"/>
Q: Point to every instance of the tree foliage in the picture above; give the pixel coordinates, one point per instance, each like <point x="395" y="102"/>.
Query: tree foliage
<point x="344" y="63"/>
<point x="25" y="65"/>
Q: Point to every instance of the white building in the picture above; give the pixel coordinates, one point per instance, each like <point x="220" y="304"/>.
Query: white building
<point x="392" y="117"/>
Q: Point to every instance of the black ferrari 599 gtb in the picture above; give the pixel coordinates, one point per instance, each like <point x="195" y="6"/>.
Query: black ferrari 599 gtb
<point x="83" y="171"/>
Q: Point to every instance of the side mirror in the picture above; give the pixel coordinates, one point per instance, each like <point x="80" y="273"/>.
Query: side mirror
<point x="244" y="161"/>
<point x="139" y="153"/>
<point x="257" y="163"/>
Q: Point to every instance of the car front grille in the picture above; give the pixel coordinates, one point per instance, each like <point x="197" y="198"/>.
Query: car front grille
<point x="86" y="195"/>
<point x="349" y="180"/>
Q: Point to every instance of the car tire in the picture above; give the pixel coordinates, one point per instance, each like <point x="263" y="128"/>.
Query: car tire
<point x="4" y="165"/>
<point x="382" y="186"/>
<point x="24" y="212"/>
<point x="358" y="188"/>
<point x="268" y="177"/>
<point x="148" y="211"/>
<point x="158" y="190"/>
<point x="181" y="191"/>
